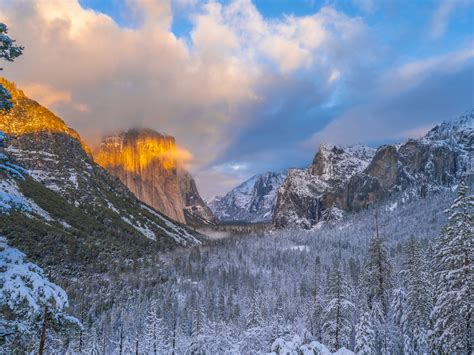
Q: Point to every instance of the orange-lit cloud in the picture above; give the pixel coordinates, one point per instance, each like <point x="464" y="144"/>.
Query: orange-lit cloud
<point x="138" y="155"/>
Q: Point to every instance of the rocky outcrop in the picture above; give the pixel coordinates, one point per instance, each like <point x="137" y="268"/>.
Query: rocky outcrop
<point x="351" y="179"/>
<point x="147" y="163"/>
<point x="55" y="156"/>
<point x="252" y="201"/>
<point x="308" y="195"/>
<point x="196" y="211"/>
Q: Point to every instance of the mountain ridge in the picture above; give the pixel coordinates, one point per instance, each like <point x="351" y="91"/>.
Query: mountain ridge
<point x="251" y="201"/>
<point x="418" y="166"/>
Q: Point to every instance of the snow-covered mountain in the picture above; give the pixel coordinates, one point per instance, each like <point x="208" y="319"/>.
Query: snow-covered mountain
<point x="352" y="178"/>
<point x="64" y="181"/>
<point x="252" y="201"/>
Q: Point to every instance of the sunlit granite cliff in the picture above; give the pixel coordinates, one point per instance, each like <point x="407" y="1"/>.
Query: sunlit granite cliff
<point x="147" y="163"/>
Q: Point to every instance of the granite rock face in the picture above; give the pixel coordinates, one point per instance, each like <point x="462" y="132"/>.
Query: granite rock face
<point x="311" y="194"/>
<point x="352" y="178"/>
<point x="147" y="163"/>
<point x="196" y="211"/>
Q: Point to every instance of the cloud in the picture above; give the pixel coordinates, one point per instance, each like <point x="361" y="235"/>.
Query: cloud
<point x="50" y="97"/>
<point x="442" y="16"/>
<point x="406" y="101"/>
<point x="45" y="93"/>
<point x="209" y="88"/>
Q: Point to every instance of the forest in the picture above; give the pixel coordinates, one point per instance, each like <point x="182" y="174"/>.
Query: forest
<point x="396" y="278"/>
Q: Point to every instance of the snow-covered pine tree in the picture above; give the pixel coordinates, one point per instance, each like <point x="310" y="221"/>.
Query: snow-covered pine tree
<point x="398" y="310"/>
<point x="198" y="329"/>
<point x="364" y="335"/>
<point x="255" y="336"/>
<point x="170" y="321"/>
<point x="92" y="343"/>
<point x="153" y="330"/>
<point x="452" y="315"/>
<point x="254" y="316"/>
<point x="9" y="51"/>
<point x="278" y="321"/>
<point x="377" y="280"/>
<point x="418" y="296"/>
<point x="315" y="303"/>
<point x="25" y="293"/>
<point x="338" y="312"/>
<point x="377" y="285"/>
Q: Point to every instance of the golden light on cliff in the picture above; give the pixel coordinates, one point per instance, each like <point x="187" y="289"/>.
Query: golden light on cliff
<point x="29" y="117"/>
<point x="136" y="156"/>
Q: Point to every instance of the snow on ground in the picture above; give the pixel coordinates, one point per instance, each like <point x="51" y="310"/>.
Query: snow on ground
<point x="300" y="248"/>
<point x="143" y="230"/>
<point x="12" y="198"/>
<point x="180" y="235"/>
<point x="295" y="347"/>
<point x="112" y="207"/>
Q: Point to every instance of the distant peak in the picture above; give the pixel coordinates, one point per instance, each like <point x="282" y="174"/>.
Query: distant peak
<point x="460" y="128"/>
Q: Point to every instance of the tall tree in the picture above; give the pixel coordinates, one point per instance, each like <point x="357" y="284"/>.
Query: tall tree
<point x="153" y="330"/>
<point x="9" y="51"/>
<point x="418" y="296"/>
<point x="452" y="315"/>
<point x="377" y="284"/>
<point x="364" y="335"/>
<point x="338" y="312"/>
<point x="378" y="275"/>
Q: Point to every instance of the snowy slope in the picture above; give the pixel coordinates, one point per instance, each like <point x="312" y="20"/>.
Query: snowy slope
<point x="252" y="201"/>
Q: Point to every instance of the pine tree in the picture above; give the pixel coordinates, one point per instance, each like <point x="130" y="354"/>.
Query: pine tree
<point x="364" y="335"/>
<point x="92" y="344"/>
<point x="153" y="330"/>
<point x="315" y="303"/>
<point x="9" y="51"/>
<point x="378" y="275"/>
<point x="338" y="313"/>
<point x="377" y="285"/>
<point x="254" y="316"/>
<point x="198" y="330"/>
<point x="418" y="302"/>
<point x="452" y="315"/>
<point x="399" y="319"/>
<point x="221" y="307"/>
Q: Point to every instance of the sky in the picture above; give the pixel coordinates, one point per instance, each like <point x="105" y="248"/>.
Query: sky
<point x="247" y="86"/>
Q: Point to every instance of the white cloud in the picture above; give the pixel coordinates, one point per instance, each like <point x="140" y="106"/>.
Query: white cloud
<point x="442" y="16"/>
<point x="101" y="77"/>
